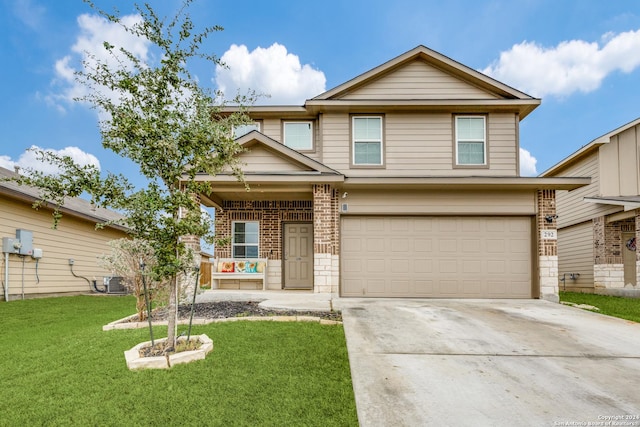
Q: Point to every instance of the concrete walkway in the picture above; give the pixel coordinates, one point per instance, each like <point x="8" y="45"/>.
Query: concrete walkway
<point x="295" y="300"/>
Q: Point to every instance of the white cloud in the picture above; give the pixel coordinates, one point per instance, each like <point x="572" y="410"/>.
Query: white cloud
<point x="29" y="13"/>
<point x="527" y="163"/>
<point x="271" y="71"/>
<point x="28" y="159"/>
<point x="571" y="66"/>
<point x="89" y="48"/>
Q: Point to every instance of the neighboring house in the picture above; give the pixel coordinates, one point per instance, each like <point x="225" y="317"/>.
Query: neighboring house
<point x="402" y="182"/>
<point x="599" y="225"/>
<point x="44" y="269"/>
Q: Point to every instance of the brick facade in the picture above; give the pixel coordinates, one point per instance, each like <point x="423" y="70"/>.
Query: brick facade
<point x="270" y="214"/>
<point x="322" y="211"/>
<point x="547" y="248"/>
<point x="608" y="269"/>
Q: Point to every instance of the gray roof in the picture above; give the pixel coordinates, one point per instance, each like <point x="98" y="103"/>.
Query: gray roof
<point x="75" y="206"/>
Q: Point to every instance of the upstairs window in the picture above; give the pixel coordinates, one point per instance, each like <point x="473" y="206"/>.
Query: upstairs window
<point x="298" y="135"/>
<point x="471" y="140"/>
<point x="241" y="130"/>
<point x="245" y="239"/>
<point x="367" y="140"/>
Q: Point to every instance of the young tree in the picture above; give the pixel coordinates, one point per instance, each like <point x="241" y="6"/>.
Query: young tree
<point x="160" y="118"/>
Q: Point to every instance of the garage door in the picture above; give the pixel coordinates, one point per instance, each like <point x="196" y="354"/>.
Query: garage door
<point x="447" y="257"/>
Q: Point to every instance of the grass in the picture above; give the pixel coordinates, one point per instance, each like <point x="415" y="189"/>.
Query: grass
<point x="58" y="368"/>
<point x="624" y="308"/>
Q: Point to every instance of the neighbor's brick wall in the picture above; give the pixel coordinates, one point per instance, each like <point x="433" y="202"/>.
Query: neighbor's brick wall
<point x="637" y="249"/>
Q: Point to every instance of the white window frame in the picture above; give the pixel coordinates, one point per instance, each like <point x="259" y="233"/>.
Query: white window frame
<point x="284" y="134"/>
<point x="257" y="126"/>
<point x="234" y="244"/>
<point x="354" y="141"/>
<point x="458" y="140"/>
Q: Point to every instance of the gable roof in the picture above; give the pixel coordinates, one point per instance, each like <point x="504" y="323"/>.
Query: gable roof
<point x="75" y="206"/>
<point x="498" y="95"/>
<point x="588" y="148"/>
<point x="301" y="164"/>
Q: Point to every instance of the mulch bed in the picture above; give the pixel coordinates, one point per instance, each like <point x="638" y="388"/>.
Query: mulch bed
<point x="225" y="309"/>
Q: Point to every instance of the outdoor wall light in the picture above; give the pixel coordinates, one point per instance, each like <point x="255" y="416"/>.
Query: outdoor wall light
<point x="550" y="218"/>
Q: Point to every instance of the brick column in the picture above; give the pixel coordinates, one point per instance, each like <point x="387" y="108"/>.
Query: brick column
<point x="608" y="266"/>
<point x="547" y="246"/>
<point x="325" y="237"/>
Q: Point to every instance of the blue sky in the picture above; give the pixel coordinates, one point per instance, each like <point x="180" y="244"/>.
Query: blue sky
<point x="582" y="57"/>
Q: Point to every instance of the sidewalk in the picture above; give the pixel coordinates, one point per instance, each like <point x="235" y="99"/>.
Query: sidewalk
<point x="295" y="300"/>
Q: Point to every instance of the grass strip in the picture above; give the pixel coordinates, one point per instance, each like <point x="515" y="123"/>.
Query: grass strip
<point x="59" y="368"/>
<point x="624" y="308"/>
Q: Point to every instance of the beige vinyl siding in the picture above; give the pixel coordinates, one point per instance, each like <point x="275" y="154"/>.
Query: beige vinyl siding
<point x="375" y="202"/>
<point x="575" y="255"/>
<point x="619" y="161"/>
<point x="272" y="128"/>
<point x="418" y="80"/>
<point x="628" y="155"/>
<point x="503" y="147"/>
<point x="419" y="144"/>
<point x="571" y="207"/>
<point x="336" y="141"/>
<point x="74" y="238"/>
<point x="259" y="159"/>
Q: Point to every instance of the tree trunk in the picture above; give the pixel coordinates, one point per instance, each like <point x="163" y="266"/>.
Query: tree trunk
<point x="173" y="312"/>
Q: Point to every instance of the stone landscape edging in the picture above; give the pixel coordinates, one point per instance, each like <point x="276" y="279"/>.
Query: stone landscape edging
<point x="136" y="361"/>
<point x="125" y="323"/>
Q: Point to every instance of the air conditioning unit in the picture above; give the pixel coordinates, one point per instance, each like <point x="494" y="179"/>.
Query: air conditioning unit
<point x="114" y="285"/>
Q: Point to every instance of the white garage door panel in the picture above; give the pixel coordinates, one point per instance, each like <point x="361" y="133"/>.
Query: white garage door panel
<point x="458" y="257"/>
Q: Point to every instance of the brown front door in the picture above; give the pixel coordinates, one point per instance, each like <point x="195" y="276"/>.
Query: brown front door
<point x="629" y="258"/>
<point x="298" y="256"/>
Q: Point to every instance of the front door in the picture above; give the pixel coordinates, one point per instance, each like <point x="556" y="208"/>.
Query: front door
<point x="298" y="256"/>
<point x="629" y="258"/>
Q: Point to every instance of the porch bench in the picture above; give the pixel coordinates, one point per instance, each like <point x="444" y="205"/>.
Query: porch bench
<point x="240" y="269"/>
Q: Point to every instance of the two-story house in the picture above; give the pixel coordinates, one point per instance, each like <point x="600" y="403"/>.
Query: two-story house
<point x="599" y="224"/>
<point x="402" y="182"/>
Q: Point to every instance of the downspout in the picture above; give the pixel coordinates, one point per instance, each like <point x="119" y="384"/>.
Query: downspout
<point x="6" y="276"/>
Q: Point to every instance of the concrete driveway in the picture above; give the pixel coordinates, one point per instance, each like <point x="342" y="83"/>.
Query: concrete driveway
<point x="490" y="363"/>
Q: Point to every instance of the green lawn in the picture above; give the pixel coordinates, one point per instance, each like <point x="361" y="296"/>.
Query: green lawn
<point x="57" y="367"/>
<point x="624" y="308"/>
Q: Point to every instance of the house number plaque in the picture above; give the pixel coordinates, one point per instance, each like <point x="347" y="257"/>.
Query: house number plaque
<point x="548" y="234"/>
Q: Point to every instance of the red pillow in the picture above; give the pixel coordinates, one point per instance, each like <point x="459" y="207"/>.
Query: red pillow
<point x="227" y="267"/>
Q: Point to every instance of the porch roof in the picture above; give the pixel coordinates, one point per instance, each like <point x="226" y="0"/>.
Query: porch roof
<point x="628" y="202"/>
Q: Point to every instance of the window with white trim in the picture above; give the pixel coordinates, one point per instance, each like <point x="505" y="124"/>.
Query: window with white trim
<point x="471" y="147"/>
<point x="367" y="140"/>
<point x="298" y="135"/>
<point x="241" y="130"/>
<point x="245" y="239"/>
